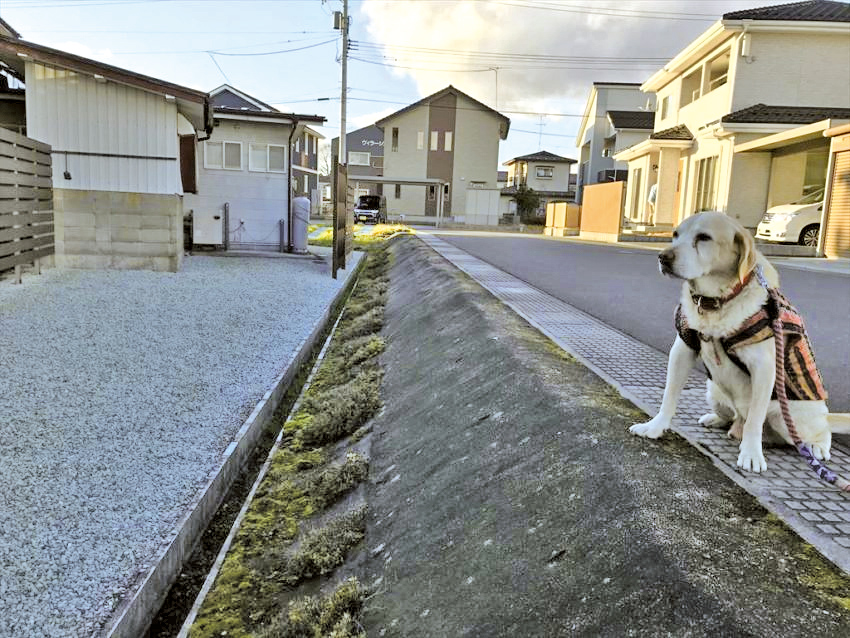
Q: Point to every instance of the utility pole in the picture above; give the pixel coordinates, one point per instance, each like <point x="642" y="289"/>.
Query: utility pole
<point x="343" y="151"/>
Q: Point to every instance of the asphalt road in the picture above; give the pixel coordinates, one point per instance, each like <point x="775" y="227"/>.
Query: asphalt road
<point x="622" y="287"/>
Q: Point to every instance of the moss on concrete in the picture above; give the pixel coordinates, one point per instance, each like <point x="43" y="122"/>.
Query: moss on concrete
<point x="258" y="571"/>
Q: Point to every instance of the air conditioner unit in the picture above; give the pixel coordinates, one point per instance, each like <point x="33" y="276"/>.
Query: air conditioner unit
<point x="208" y="228"/>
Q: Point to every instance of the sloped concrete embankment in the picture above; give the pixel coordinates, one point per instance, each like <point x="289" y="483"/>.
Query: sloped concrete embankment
<point x="508" y="499"/>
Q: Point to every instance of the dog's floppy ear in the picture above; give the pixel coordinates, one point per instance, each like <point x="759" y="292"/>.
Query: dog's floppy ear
<point x="746" y="253"/>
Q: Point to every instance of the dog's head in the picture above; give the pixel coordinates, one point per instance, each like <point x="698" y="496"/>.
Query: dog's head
<point x="709" y="244"/>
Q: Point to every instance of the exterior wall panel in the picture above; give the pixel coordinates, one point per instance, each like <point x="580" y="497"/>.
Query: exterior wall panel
<point x="74" y="112"/>
<point x="476" y="154"/>
<point x="794" y="69"/>
<point x="260" y="199"/>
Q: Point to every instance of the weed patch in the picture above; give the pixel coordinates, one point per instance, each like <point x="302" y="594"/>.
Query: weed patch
<point x="260" y="570"/>
<point x="317" y="616"/>
<point x="324" y="548"/>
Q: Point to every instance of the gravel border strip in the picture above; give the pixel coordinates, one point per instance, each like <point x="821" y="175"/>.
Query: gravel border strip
<point x="225" y="548"/>
<point x="135" y="613"/>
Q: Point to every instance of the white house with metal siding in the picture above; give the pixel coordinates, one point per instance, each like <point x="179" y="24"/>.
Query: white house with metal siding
<point x="255" y="157"/>
<point x="116" y="155"/>
<point x="101" y="132"/>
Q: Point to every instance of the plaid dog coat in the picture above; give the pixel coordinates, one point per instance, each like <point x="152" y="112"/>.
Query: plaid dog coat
<point x="802" y="378"/>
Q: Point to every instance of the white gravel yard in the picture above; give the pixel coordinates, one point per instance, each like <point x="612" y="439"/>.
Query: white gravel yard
<point x="119" y="391"/>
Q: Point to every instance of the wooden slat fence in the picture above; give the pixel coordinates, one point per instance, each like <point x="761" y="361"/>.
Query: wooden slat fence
<point x="26" y="202"/>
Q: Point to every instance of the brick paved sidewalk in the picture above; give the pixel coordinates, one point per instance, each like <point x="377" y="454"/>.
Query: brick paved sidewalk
<point x="816" y="511"/>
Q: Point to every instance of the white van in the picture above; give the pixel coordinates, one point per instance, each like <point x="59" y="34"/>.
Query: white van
<point x="796" y="223"/>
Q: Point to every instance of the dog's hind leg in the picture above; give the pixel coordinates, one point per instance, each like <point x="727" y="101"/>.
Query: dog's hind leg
<point x="723" y="411"/>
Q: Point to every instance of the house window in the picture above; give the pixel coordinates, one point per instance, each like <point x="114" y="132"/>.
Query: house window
<point x="705" y="197"/>
<point x="395" y="140"/>
<point x="545" y="172"/>
<point x="432" y="193"/>
<point x="718" y="71"/>
<point x="277" y="158"/>
<point x="358" y="159"/>
<point x="266" y="158"/>
<point x="665" y="107"/>
<point x="306" y="188"/>
<point x="691" y="87"/>
<point x="298" y="145"/>
<point x="398" y="191"/>
<point x="258" y="157"/>
<point x="447" y="144"/>
<point x="435" y="141"/>
<point x="420" y="140"/>
<point x="227" y="155"/>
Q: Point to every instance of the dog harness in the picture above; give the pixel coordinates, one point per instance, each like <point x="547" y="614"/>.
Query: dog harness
<point x="803" y="381"/>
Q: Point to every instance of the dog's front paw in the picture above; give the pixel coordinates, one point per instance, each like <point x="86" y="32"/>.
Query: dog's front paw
<point x="711" y="420"/>
<point x="751" y="458"/>
<point x="651" y="429"/>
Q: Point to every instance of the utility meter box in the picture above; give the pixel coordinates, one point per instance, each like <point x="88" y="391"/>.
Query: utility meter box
<point x="208" y="228"/>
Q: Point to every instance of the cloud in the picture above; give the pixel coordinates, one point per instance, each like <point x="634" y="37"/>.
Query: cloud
<point x="545" y="58"/>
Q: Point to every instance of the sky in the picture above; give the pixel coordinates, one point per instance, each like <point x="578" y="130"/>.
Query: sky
<point x="532" y="60"/>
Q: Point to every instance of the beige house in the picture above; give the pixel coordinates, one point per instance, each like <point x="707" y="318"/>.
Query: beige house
<point x="451" y="137"/>
<point x="753" y="74"/>
<point x="547" y="174"/>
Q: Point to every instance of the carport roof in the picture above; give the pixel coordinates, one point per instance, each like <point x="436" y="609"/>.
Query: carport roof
<point x="783" y="139"/>
<point x="408" y="181"/>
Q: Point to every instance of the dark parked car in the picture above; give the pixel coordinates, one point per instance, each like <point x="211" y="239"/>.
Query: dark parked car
<point x="371" y="209"/>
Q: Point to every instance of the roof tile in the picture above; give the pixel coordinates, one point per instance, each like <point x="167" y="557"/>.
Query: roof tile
<point x="811" y="10"/>
<point x="764" y="114"/>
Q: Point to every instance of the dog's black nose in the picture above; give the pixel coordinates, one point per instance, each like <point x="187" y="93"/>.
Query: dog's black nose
<point x="665" y="258"/>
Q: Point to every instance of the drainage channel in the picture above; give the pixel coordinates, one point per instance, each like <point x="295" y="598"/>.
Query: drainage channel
<point x="268" y="418"/>
<point x="289" y="409"/>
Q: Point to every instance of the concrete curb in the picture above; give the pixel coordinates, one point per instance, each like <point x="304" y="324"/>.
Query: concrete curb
<point x="225" y="548"/>
<point x="134" y="614"/>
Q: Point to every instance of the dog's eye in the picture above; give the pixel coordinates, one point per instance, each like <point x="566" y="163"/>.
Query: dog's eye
<point x="675" y="234"/>
<point x="703" y="237"/>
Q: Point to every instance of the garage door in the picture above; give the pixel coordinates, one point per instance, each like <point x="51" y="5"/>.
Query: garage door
<point x="837" y="239"/>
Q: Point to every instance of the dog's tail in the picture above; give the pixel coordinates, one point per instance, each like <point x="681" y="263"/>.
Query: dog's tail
<point x="839" y="422"/>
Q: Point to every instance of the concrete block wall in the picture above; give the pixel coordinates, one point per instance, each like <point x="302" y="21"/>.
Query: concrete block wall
<point x="123" y="231"/>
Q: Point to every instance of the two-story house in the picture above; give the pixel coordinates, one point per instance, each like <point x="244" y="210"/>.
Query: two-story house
<point x="365" y="151"/>
<point x="617" y="115"/>
<point x="752" y="74"/>
<point x="254" y="160"/>
<point x="447" y="136"/>
<point x="545" y="173"/>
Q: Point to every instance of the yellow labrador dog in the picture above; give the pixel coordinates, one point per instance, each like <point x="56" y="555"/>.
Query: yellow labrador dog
<point x="723" y="320"/>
